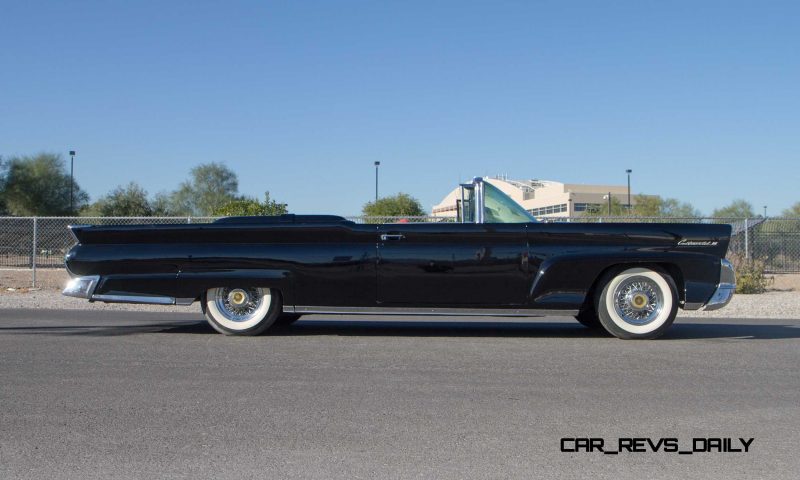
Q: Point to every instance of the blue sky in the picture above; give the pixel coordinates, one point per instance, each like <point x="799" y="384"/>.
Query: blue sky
<point x="700" y="99"/>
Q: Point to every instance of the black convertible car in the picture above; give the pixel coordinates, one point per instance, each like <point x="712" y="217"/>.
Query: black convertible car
<point x="250" y="273"/>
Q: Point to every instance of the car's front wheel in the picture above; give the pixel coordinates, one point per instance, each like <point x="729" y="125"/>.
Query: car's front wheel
<point x="637" y="303"/>
<point x="241" y="310"/>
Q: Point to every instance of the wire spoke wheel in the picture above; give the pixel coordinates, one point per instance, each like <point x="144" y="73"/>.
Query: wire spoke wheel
<point x="638" y="300"/>
<point x="241" y="310"/>
<point x="637" y="303"/>
<point x="239" y="304"/>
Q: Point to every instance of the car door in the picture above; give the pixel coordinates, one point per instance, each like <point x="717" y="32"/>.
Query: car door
<point x="452" y="265"/>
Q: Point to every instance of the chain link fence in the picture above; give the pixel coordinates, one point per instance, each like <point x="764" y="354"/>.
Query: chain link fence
<point x="420" y="219"/>
<point x="41" y="242"/>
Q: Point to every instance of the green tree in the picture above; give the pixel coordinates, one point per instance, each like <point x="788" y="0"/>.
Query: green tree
<point x="211" y="186"/>
<point x="251" y="206"/>
<point x="161" y="205"/>
<point x="39" y="185"/>
<point x="793" y="211"/>
<point x="736" y="209"/>
<point x="128" y="201"/>
<point x="647" y="205"/>
<point x="655" y="206"/>
<point x="672" y="207"/>
<point x="400" y="205"/>
<point x="617" y="209"/>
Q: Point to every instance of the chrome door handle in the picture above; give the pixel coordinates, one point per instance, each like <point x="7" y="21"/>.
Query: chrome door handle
<point x="392" y="236"/>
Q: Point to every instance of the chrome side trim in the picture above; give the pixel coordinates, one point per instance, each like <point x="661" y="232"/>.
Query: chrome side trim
<point x="725" y="289"/>
<point x="498" y="312"/>
<point x="84" y="287"/>
<point x="81" y="287"/>
<point x="133" y="299"/>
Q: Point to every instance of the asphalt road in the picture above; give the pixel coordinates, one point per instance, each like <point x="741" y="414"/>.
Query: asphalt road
<point x="89" y="394"/>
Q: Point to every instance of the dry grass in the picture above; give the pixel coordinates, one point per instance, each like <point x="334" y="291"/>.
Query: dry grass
<point x="20" y="279"/>
<point x="785" y="282"/>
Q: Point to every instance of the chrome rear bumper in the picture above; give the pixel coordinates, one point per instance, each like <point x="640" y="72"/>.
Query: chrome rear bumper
<point x="84" y="287"/>
<point x="727" y="285"/>
<point x="81" y="287"/>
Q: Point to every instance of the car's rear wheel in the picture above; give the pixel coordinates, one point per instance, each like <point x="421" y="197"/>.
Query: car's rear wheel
<point x="241" y="310"/>
<point x="637" y="303"/>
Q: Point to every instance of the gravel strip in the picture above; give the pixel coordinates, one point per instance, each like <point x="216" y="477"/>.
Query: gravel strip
<point x="49" y="299"/>
<point x="766" y="305"/>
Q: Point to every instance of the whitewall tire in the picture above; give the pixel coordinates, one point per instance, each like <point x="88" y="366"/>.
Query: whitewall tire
<point x="637" y="303"/>
<point x="241" y="310"/>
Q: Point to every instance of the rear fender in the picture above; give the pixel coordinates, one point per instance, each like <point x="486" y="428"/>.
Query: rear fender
<point x="566" y="281"/>
<point x="193" y="284"/>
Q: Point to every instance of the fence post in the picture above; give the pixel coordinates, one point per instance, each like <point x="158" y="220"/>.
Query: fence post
<point x="188" y="219"/>
<point x="783" y="251"/>
<point x="746" y="239"/>
<point x="33" y="256"/>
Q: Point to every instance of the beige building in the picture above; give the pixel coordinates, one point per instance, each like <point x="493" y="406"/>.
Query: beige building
<point x="545" y="198"/>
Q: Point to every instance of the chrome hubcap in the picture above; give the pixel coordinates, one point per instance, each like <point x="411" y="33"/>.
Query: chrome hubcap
<point x="638" y="300"/>
<point x="238" y="304"/>
<point x="238" y="297"/>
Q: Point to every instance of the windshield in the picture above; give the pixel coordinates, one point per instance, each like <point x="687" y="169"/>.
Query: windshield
<point x="500" y="208"/>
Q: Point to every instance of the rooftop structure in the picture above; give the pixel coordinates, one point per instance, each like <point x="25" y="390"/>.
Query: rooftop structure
<point x="545" y="198"/>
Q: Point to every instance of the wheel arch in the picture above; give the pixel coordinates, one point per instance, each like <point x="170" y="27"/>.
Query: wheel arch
<point x="557" y="278"/>
<point x="195" y="284"/>
<point x="669" y="268"/>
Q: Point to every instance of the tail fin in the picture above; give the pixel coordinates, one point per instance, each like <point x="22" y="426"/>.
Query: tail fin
<point x="77" y="231"/>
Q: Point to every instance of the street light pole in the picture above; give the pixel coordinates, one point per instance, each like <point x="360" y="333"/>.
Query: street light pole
<point x="71" y="179"/>
<point x="765" y="211"/>
<point x="628" y="171"/>
<point x="377" y="164"/>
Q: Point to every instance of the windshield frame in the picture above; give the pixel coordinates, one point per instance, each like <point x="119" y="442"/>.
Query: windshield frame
<point x="474" y="207"/>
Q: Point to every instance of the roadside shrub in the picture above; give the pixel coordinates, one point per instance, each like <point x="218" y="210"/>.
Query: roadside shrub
<point x="750" y="276"/>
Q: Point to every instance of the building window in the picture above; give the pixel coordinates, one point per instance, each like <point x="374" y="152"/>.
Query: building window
<point x="548" y="210"/>
<point x="582" y="207"/>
